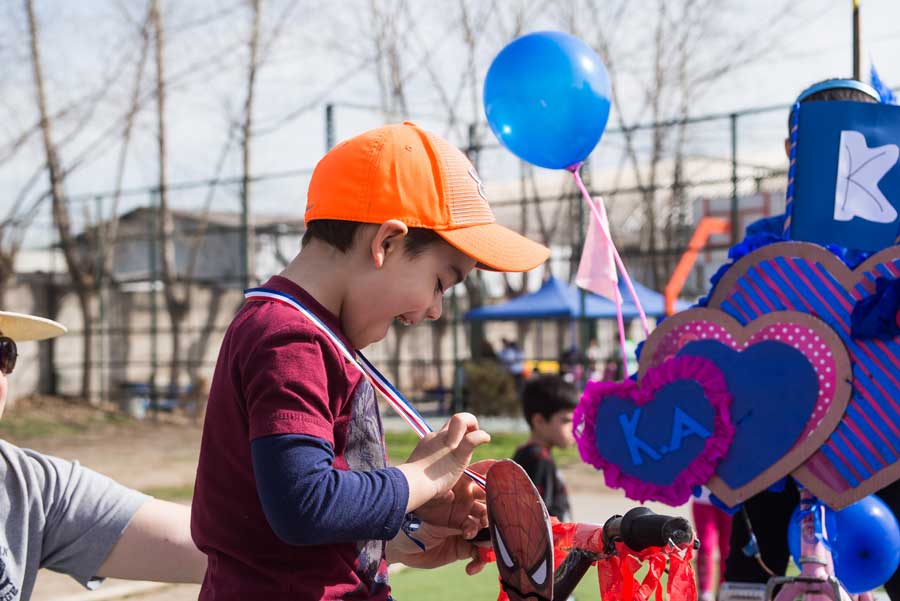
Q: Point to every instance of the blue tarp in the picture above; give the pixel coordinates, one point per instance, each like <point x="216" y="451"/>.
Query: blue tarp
<point x="558" y="300"/>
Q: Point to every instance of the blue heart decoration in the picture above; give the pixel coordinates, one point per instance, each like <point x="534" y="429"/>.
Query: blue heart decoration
<point x="771" y="384"/>
<point x="639" y="438"/>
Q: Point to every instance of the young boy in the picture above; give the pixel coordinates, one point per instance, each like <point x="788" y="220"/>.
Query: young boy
<point x="547" y="403"/>
<point x="293" y="491"/>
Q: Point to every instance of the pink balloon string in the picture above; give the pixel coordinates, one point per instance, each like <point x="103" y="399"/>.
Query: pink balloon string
<point x="576" y="172"/>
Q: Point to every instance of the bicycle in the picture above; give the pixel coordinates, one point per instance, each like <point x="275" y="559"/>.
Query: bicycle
<point x="539" y="558"/>
<point x="816" y="581"/>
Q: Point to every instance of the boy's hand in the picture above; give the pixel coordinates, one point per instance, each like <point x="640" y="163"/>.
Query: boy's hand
<point x="462" y="508"/>
<point x="442" y="546"/>
<point x="439" y="459"/>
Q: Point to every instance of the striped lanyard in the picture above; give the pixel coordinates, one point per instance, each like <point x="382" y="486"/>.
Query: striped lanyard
<point x="396" y="400"/>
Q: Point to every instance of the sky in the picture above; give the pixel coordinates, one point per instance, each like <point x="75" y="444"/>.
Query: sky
<point x="323" y="55"/>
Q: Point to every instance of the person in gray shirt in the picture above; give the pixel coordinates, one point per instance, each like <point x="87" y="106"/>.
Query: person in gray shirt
<point x="67" y="518"/>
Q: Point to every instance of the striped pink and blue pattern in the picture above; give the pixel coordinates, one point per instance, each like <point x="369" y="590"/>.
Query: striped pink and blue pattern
<point x="810" y="279"/>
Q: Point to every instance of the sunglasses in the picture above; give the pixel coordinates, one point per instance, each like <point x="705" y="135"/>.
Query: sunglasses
<point x="8" y="354"/>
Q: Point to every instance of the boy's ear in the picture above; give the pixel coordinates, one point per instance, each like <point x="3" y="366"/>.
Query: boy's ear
<point x="387" y="239"/>
<point x="787" y="147"/>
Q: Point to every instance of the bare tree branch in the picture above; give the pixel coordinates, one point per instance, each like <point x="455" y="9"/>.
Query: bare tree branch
<point x="175" y="306"/>
<point x="199" y="233"/>
<point x="112" y="227"/>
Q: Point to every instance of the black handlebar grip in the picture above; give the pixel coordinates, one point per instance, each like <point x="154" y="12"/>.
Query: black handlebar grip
<point x="641" y="528"/>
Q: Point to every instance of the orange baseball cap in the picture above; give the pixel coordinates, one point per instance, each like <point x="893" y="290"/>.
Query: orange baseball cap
<point x="404" y="172"/>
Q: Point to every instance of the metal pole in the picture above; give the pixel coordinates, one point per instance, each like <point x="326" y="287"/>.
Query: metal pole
<point x="735" y="226"/>
<point x="476" y="331"/>
<point x="582" y="294"/>
<point x="457" y="364"/>
<point x="154" y="219"/>
<point x="329" y="127"/>
<point x="474" y="150"/>
<point x="245" y="237"/>
<point x="856" y="40"/>
<point x="582" y="235"/>
<point x="101" y="323"/>
<point x="52" y="310"/>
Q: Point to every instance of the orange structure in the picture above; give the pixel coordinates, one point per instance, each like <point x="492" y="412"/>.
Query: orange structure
<point x="708" y="226"/>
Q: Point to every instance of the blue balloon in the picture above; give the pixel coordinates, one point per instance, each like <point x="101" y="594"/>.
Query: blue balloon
<point x="546" y="97"/>
<point x="865" y="543"/>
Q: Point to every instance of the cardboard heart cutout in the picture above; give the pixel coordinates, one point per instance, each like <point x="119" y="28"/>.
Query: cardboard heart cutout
<point x="789" y="375"/>
<point x="861" y="455"/>
<point x="659" y="439"/>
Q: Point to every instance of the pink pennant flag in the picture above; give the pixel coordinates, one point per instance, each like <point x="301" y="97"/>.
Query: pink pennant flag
<point x="597" y="269"/>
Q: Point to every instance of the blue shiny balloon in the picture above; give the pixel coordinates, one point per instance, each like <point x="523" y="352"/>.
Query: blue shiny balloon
<point x="546" y="97"/>
<point x="865" y="543"/>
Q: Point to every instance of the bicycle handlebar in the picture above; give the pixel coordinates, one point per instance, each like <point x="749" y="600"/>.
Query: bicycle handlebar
<point x="640" y="528"/>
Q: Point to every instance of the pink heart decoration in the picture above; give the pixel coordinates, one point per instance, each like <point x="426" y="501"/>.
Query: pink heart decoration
<point x="633" y="432"/>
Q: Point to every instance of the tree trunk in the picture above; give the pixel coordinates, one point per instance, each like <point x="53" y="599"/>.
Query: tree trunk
<point x="81" y="278"/>
<point x="176" y="307"/>
<point x="397" y="354"/>
<point x="7" y="271"/>
<point x="87" y="342"/>
<point x="438" y="331"/>
<point x="177" y="319"/>
<point x="476" y="328"/>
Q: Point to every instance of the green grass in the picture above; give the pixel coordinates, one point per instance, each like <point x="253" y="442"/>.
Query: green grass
<point x="36" y="427"/>
<point x="502" y="446"/>
<point x="30" y="427"/>
<point x="451" y="583"/>
<point x="171" y="493"/>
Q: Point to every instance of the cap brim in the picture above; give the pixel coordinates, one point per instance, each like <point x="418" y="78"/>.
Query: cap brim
<point x="21" y="327"/>
<point x="497" y="248"/>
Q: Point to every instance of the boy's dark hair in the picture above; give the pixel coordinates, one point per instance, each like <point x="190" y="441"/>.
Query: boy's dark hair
<point x="832" y="94"/>
<point x="341" y="234"/>
<point x="546" y="395"/>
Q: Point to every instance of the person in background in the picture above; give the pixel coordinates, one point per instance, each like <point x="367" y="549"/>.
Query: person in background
<point x="548" y="403"/>
<point x="594" y="357"/>
<point x="570" y="365"/>
<point x="513" y="359"/>
<point x="612" y="370"/>
<point x="713" y="531"/>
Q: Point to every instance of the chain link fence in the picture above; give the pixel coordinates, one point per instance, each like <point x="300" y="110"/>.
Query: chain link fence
<point x="725" y="166"/>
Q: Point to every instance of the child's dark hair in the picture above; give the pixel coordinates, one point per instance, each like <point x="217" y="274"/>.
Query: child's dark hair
<point x="617" y="361"/>
<point x="545" y="395"/>
<point x="832" y="94"/>
<point x="341" y="234"/>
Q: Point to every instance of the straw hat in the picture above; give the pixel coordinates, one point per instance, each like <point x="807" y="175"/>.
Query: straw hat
<point x="21" y="327"/>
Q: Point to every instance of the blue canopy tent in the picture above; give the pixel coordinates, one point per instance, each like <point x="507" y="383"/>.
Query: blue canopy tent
<point x="557" y="299"/>
<point x="560" y="301"/>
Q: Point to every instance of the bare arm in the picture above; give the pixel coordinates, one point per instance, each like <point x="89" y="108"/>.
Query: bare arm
<point x="157" y="546"/>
